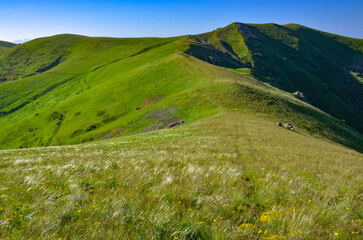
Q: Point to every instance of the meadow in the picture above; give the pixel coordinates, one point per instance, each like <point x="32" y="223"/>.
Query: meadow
<point x="176" y="138"/>
<point x="230" y="176"/>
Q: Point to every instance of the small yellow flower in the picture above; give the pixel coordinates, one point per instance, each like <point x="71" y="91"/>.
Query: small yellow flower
<point x="336" y="234"/>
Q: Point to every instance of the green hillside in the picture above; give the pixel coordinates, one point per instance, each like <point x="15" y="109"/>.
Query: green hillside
<point x="326" y="68"/>
<point x="176" y="138"/>
<point x="5" y="45"/>
<point x="70" y="89"/>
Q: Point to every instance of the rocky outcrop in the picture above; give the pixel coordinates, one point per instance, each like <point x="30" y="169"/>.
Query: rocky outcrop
<point x="175" y="123"/>
<point x="286" y="125"/>
<point x="300" y="95"/>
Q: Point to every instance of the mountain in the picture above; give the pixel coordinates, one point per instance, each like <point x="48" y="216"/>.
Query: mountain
<point x="69" y="89"/>
<point x="326" y="68"/>
<point x="176" y="138"/>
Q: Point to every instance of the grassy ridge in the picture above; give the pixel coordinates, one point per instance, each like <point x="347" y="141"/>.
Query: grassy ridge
<point x="80" y="86"/>
<point x="230" y="176"/>
<point x="147" y="84"/>
<point x="35" y="56"/>
<point x="293" y="58"/>
<point x="69" y="89"/>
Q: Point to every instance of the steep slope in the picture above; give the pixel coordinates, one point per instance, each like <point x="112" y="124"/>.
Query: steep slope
<point x="326" y="68"/>
<point x="70" y="89"/>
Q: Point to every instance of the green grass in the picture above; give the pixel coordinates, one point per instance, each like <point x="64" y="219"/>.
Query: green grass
<point x="104" y="87"/>
<point x="230" y="176"/>
<point x="294" y="58"/>
<point x="228" y="172"/>
<point x="5" y="45"/>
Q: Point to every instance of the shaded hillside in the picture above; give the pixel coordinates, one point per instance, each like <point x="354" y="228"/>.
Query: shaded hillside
<point x="69" y="89"/>
<point x="5" y="45"/>
<point x="326" y="68"/>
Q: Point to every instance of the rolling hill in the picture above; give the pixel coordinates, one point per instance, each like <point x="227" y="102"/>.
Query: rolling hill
<point x="69" y="89"/>
<point x="176" y="138"/>
<point x="5" y="45"/>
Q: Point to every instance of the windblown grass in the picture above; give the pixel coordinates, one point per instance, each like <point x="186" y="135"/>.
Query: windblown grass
<point x="231" y="176"/>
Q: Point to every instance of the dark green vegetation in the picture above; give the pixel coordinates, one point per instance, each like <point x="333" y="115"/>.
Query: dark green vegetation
<point x="228" y="172"/>
<point x="295" y="58"/>
<point x="5" y="45"/>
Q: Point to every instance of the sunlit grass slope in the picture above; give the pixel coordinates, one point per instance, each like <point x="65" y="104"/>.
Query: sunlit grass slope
<point x="231" y="176"/>
<point x="69" y="89"/>
<point x="102" y="88"/>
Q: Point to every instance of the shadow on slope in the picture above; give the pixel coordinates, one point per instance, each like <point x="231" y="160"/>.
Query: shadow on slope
<point x="324" y="67"/>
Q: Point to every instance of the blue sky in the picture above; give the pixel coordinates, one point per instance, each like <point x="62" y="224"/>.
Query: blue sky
<point x="27" y="19"/>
